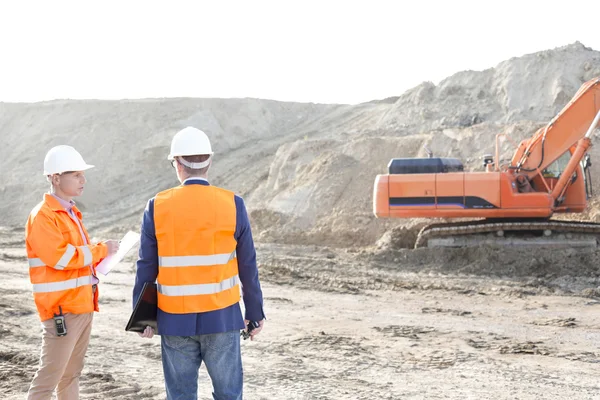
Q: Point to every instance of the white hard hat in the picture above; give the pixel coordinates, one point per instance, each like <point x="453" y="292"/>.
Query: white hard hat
<point x="62" y="159"/>
<point x="190" y="142"/>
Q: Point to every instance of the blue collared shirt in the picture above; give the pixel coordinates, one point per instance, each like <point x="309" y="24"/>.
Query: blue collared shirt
<point x="224" y="320"/>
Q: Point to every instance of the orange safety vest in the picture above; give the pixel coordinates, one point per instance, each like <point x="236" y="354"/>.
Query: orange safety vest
<point x="59" y="262"/>
<point x="197" y="264"/>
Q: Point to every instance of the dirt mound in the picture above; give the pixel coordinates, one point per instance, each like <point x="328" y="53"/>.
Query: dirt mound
<point x="545" y="266"/>
<point x="322" y="187"/>
<point x="128" y="142"/>
<point x="306" y="170"/>
<point x="533" y="88"/>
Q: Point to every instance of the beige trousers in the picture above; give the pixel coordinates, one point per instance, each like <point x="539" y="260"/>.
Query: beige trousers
<point x="61" y="359"/>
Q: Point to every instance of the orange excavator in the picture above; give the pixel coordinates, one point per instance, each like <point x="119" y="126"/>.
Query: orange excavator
<point x="549" y="173"/>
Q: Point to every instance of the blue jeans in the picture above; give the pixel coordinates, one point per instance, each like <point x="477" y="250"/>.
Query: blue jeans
<point x="183" y="355"/>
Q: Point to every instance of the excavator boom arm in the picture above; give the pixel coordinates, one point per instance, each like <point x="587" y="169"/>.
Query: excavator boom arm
<point x="563" y="132"/>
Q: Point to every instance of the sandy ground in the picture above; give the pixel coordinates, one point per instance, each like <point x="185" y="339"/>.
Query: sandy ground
<point x="346" y="324"/>
<point x="366" y="317"/>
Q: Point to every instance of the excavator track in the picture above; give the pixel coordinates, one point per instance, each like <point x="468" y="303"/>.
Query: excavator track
<point x="510" y="233"/>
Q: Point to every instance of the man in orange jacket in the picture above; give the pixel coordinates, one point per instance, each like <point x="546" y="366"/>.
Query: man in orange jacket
<point x="62" y="265"/>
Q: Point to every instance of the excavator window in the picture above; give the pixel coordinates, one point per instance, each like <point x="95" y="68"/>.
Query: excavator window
<point x="555" y="169"/>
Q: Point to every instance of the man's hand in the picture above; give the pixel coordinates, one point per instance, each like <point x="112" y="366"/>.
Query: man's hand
<point x="255" y="331"/>
<point x="112" y="245"/>
<point x="148" y="333"/>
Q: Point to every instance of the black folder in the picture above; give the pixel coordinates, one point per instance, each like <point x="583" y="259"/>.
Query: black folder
<point x="144" y="313"/>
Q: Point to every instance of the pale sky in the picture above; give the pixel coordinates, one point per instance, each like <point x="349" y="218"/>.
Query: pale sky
<point x="309" y="51"/>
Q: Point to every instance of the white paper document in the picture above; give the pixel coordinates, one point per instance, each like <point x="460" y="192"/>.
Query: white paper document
<point x="129" y="240"/>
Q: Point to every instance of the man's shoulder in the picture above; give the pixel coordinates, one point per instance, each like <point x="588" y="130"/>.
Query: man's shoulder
<point x="239" y="200"/>
<point x="41" y="209"/>
<point x="222" y="190"/>
<point x="228" y="194"/>
<point x="164" y="192"/>
<point x="40" y="216"/>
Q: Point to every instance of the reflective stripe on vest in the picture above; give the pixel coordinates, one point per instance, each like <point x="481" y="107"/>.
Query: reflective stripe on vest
<point x="64" y="260"/>
<point x="193" y="261"/>
<point x="204" y="288"/>
<point x="62" y="285"/>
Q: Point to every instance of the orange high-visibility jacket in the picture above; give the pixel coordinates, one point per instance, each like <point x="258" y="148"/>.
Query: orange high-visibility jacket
<point x="59" y="262"/>
<point x="197" y="264"/>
